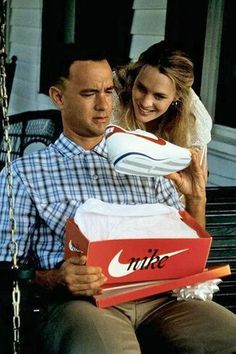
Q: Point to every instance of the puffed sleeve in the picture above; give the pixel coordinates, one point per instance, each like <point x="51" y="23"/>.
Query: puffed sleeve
<point x="116" y="112"/>
<point x="201" y="132"/>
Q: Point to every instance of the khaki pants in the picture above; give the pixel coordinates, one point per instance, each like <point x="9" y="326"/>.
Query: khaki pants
<point x="156" y="325"/>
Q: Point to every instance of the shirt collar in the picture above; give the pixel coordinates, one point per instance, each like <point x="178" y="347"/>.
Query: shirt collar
<point x="69" y="148"/>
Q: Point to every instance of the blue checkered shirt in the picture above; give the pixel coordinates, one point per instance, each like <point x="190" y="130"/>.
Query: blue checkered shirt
<point x="50" y="184"/>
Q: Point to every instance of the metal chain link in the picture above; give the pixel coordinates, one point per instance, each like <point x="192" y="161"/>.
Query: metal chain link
<point x="7" y="144"/>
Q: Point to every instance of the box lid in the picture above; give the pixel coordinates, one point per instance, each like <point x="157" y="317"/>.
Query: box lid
<point x="116" y="295"/>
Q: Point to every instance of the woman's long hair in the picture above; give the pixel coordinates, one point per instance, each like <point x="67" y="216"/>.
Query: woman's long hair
<point x="176" y="123"/>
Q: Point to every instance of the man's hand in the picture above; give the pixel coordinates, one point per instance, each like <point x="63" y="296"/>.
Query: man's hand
<point x="81" y="279"/>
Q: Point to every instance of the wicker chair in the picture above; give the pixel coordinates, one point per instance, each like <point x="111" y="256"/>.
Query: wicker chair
<point x="30" y="131"/>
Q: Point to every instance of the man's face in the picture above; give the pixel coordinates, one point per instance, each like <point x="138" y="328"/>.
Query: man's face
<point x="86" y="101"/>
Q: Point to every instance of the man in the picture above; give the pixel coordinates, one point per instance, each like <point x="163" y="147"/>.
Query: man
<point x="49" y="185"/>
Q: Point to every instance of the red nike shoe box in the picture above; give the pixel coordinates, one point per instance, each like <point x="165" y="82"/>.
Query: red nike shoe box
<point x="135" y="260"/>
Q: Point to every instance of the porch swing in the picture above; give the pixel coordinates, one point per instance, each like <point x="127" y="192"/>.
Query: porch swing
<point x="17" y="306"/>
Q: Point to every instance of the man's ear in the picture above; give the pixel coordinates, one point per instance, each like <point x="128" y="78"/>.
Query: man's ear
<point x="56" y="96"/>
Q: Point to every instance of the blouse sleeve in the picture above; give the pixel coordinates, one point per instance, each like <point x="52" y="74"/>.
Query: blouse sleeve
<point x="116" y="112"/>
<point x="201" y="132"/>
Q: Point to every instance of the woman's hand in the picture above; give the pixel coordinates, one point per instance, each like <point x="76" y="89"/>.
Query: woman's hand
<point x="191" y="183"/>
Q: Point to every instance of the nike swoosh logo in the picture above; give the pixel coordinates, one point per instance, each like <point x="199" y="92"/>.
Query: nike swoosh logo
<point x="73" y="247"/>
<point x="117" y="269"/>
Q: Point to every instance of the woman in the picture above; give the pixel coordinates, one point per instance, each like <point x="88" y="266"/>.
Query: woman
<point x="155" y="94"/>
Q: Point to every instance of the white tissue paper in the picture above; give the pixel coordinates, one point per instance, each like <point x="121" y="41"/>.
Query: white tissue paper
<point x="201" y="291"/>
<point x="99" y="220"/>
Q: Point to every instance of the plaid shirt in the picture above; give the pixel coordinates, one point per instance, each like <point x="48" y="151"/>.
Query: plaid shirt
<point x="50" y="184"/>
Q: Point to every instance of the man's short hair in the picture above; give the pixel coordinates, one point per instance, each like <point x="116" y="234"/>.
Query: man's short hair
<point x="70" y="54"/>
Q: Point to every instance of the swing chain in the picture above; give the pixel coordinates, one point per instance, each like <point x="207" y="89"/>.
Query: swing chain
<point x="7" y="143"/>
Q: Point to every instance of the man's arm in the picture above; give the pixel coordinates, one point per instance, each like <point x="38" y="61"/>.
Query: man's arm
<point x="75" y="275"/>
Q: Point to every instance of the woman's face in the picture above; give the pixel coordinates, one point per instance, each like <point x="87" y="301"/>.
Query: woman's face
<point x="152" y="94"/>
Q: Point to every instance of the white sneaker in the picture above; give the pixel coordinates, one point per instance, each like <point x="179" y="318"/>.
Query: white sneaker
<point x="143" y="154"/>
